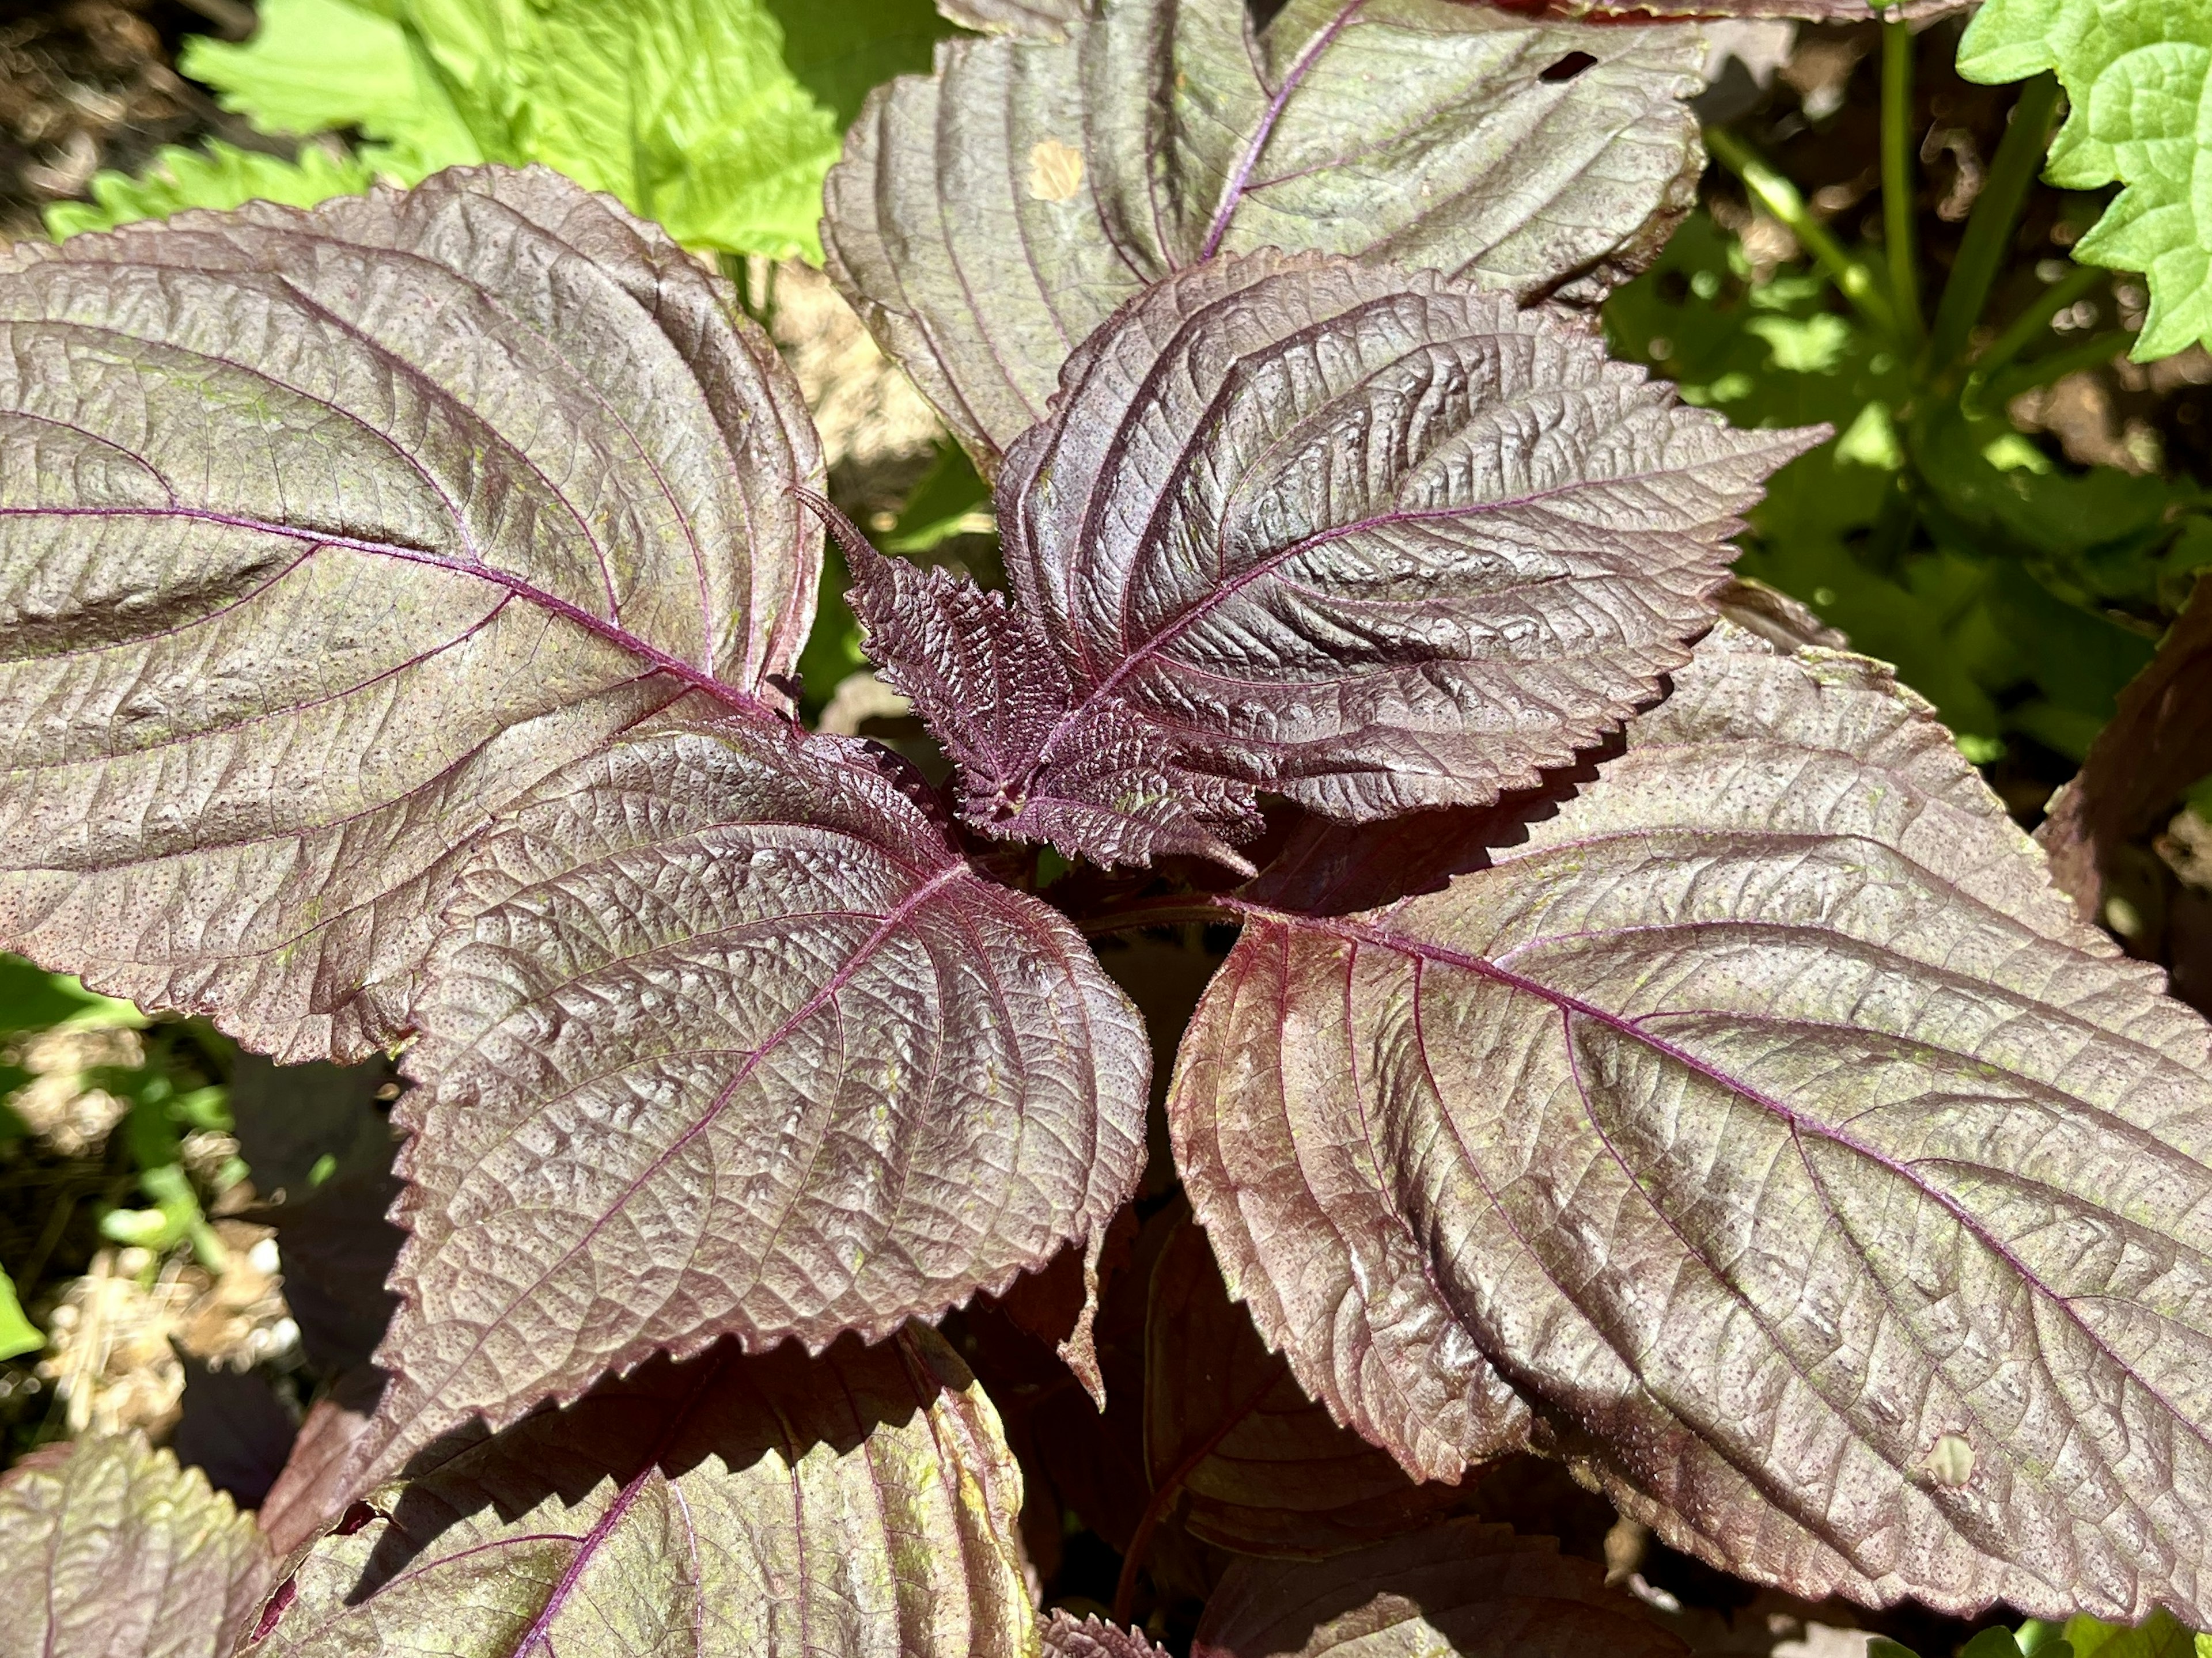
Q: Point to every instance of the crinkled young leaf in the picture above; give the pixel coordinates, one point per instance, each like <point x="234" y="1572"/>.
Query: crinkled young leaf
<point x="985" y="220"/>
<point x="110" y="1550"/>
<point x="322" y="536"/>
<point x="727" y="1038"/>
<point x="1757" y="1128"/>
<point x="1064" y="1637"/>
<point x="1373" y="539"/>
<point x="1462" y="1589"/>
<point x="862" y="1504"/>
<point x="2138" y="80"/>
<point x="1260" y="1467"/>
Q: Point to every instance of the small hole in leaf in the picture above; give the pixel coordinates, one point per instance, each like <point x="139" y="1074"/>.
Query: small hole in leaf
<point x="1567" y="68"/>
<point x="354" y="1518"/>
<point x="287" y="1592"/>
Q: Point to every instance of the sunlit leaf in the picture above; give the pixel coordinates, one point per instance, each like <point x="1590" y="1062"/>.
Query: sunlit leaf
<point x="218" y="176"/>
<point x="324" y="536"/>
<point x="110" y="1550"/>
<point x="1749" y="1122"/>
<point x="987" y="220"/>
<point x="1375" y="541"/>
<point x="728" y="1038"/>
<point x="861" y="1504"/>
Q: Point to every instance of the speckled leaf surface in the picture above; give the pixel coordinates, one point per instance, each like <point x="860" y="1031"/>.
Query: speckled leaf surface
<point x="110" y="1550"/>
<point x="862" y="1505"/>
<point x="986" y="219"/>
<point x="322" y="536"/>
<point x="1372" y="539"/>
<point x="724" y="1037"/>
<point x="2138" y="80"/>
<point x="1756" y="1127"/>
<point x="1458" y="1590"/>
<point x="1048" y="20"/>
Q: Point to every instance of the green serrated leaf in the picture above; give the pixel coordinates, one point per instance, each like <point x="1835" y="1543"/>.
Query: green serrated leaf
<point x="18" y="1335"/>
<point x="2138" y="75"/>
<point x="219" y="176"/>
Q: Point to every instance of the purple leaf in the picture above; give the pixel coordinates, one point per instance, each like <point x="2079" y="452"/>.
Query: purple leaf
<point x="1064" y="1638"/>
<point x="1756" y="1128"/>
<point x="985" y="220"/>
<point x="311" y="1490"/>
<point x="724" y="1037"/>
<point x="1815" y="11"/>
<point x="324" y="535"/>
<point x="1374" y="540"/>
<point x="110" y="1550"/>
<point x="858" y="1505"/>
<point x="1460" y="1588"/>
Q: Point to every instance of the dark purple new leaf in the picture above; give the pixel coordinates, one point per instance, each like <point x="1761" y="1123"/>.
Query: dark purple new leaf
<point x="725" y="1037"/>
<point x="110" y="1550"/>
<point x="1461" y="1589"/>
<point x="984" y="222"/>
<point x="1064" y="1638"/>
<point x="1376" y="540"/>
<point x="856" y="1506"/>
<point x="1757" y="1128"/>
<point x="322" y="536"/>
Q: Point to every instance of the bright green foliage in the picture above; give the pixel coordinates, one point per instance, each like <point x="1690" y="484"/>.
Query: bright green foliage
<point x="2138" y="74"/>
<point x="716" y="117"/>
<point x="18" y="1335"/>
<point x="1999" y="611"/>
<point x="219" y="176"/>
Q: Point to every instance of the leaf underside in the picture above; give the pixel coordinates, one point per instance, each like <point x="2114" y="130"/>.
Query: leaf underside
<point x="1461" y="1589"/>
<point x="1372" y="539"/>
<point x="1759" y="1130"/>
<point x="861" y="1503"/>
<point x="2138" y="79"/>
<point x="107" y="1547"/>
<point x="985" y="220"/>
<point x="324" y="536"/>
<point x="725" y="1038"/>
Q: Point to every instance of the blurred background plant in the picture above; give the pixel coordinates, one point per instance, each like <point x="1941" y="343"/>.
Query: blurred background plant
<point x="2014" y="510"/>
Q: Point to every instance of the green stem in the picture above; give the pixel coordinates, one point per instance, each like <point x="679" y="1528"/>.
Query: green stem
<point x="1996" y="214"/>
<point x="1897" y="203"/>
<point x="2030" y="325"/>
<point x="1774" y="192"/>
<point x="2092" y="353"/>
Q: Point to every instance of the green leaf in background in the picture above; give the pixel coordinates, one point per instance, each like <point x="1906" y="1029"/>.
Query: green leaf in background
<point x="219" y="176"/>
<point x="2138" y="75"/>
<point x="31" y="999"/>
<point x="716" y="117"/>
<point x="18" y="1335"/>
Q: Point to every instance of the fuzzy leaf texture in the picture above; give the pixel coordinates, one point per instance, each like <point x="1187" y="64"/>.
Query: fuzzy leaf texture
<point x="1372" y="539"/>
<point x="1757" y="1128"/>
<point x="110" y="1550"/>
<point x="987" y="220"/>
<point x="2138" y="80"/>
<point x="727" y="1037"/>
<point x="858" y="1506"/>
<point x="325" y="535"/>
<point x="1458" y="1590"/>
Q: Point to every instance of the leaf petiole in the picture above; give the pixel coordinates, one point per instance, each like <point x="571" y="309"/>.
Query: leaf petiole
<point x="1897" y="192"/>
<point x="1780" y="197"/>
<point x="1990" y="227"/>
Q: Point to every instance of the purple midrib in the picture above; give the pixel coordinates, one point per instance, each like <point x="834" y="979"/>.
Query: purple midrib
<point x="553" y="604"/>
<point x="1798" y="1121"/>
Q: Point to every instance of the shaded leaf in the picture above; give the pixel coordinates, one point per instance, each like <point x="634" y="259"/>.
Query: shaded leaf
<point x="1376" y="541"/>
<point x="233" y="1429"/>
<point x="859" y="1503"/>
<point x="986" y="221"/>
<point x="2157" y="743"/>
<point x="2137" y="79"/>
<point x="727" y="1038"/>
<point x="1064" y="1638"/>
<point x="1263" y="1468"/>
<point x="311" y="1490"/>
<point x="322" y="536"/>
<point x="110" y="1550"/>
<point x="1460" y="1588"/>
<point x="1756" y="1127"/>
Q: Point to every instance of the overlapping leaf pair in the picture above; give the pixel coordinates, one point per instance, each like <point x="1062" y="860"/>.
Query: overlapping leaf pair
<point x="401" y="600"/>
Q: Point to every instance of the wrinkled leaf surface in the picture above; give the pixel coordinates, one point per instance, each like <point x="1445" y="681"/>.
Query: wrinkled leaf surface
<point x="987" y="219"/>
<point x="727" y="1038"/>
<point x="775" y="1506"/>
<point x="1376" y="541"/>
<point x="110" y="1550"/>
<point x="322" y="536"/>
<point x="1757" y="1128"/>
